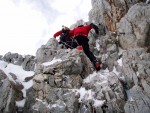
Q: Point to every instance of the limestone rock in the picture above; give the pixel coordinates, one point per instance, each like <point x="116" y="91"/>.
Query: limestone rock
<point x="136" y="70"/>
<point x="7" y="97"/>
<point x="47" y="52"/>
<point x="2" y="75"/>
<point x="110" y="12"/>
<point x="13" y="58"/>
<point x="139" y="101"/>
<point x="135" y="26"/>
<point x="29" y="63"/>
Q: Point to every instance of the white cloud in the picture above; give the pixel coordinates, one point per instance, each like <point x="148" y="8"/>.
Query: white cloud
<point x="25" y="25"/>
<point x="65" y="5"/>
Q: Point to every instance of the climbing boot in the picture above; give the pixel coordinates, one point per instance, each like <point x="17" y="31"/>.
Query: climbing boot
<point x="97" y="65"/>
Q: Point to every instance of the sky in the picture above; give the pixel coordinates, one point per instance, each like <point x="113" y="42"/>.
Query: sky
<point x="27" y="24"/>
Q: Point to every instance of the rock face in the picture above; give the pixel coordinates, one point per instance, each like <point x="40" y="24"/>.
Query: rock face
<point x="136" y="27"/>
<point x="7" y="95"/>
<point x="46" y="52"/>
<point x="137" y="73"/>
<point x="110" y="12"/>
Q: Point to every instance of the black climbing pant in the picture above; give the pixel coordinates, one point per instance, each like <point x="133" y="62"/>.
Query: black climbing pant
<point x="83" y="40"/>
<point x="68" y="42"/>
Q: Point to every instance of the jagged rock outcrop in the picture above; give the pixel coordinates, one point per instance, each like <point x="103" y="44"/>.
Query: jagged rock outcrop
<point x="13" y="58"/>
<point x="7" y="95"/>
<point x="53" y="83"/>
<point x="47" y="52"/>
<point x="137" y="74"/>
<point x="12" y="87"/>
<point x="110" y="12"/>
<point x="27" y="62"/>
<point x="135" y="27"/>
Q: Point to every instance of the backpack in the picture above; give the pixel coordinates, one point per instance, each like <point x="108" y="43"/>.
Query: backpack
<point x="63" y="35"/>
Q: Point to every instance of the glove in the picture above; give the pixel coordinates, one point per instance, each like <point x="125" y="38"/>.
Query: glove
<point x="95" y="28"/>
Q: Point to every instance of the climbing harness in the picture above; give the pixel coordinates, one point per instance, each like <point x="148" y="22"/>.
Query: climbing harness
<point x="66" y="44"/>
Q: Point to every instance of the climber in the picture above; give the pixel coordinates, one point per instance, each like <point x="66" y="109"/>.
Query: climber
<point x="81" y="36"/>
<point x="65" y="38"/>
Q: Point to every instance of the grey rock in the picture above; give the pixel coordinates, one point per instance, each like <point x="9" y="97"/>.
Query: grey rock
<point x="28" y="78"/>
<point x="19" y="60"/>
<point x="139" y="101"/>
<point x="30" y="101"/>
<point x="17" y="87"/>
<point x="7" y="97"/>
<point x="135" y="26"/>
<point x="47" y="52"/>
<point x="59" y="107"/>
<point x="39" y="81"/>
<point x="14" y="77"/>
<point x="108" y="13"/>
<point x="1" y="57"/>
<point x="60" y="101"/>
<point x="2" y="75"/>
<point x="134" y="67"/>
<point x="136" y="71"/>
<point x="41" y="107"/>
<point x="13" y="58"/>
<point x="38" y="68"/>
<point x="29" y="63"/>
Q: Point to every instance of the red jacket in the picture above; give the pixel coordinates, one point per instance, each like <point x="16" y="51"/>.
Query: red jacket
<point x="60" y="32"/>
<point x="81" y="31"/>
<point x="57" y="33"/>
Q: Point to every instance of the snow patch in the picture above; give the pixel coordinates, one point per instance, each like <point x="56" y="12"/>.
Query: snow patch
<point x="52" y="62"/>
<point x="20" y="103"/>
<point x="97" y="45"/>
<point x="56" y="105"/>
<point x="18" y="71"/>
<point x="121" y="51"/>
<point x="83" y="92"/>
<point x="88" y="95"/>
<point x="115" y="71"/>
<point x="3" y="64"/>
<point x="97" y="76"/>
<point x="120" y="61"/>
<point x="104" y="57"/>
<point x="137" y="73"/>
<point x="98" y="102"/>
<point x="26" y="85"/>
<point x="21" y="75"/>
